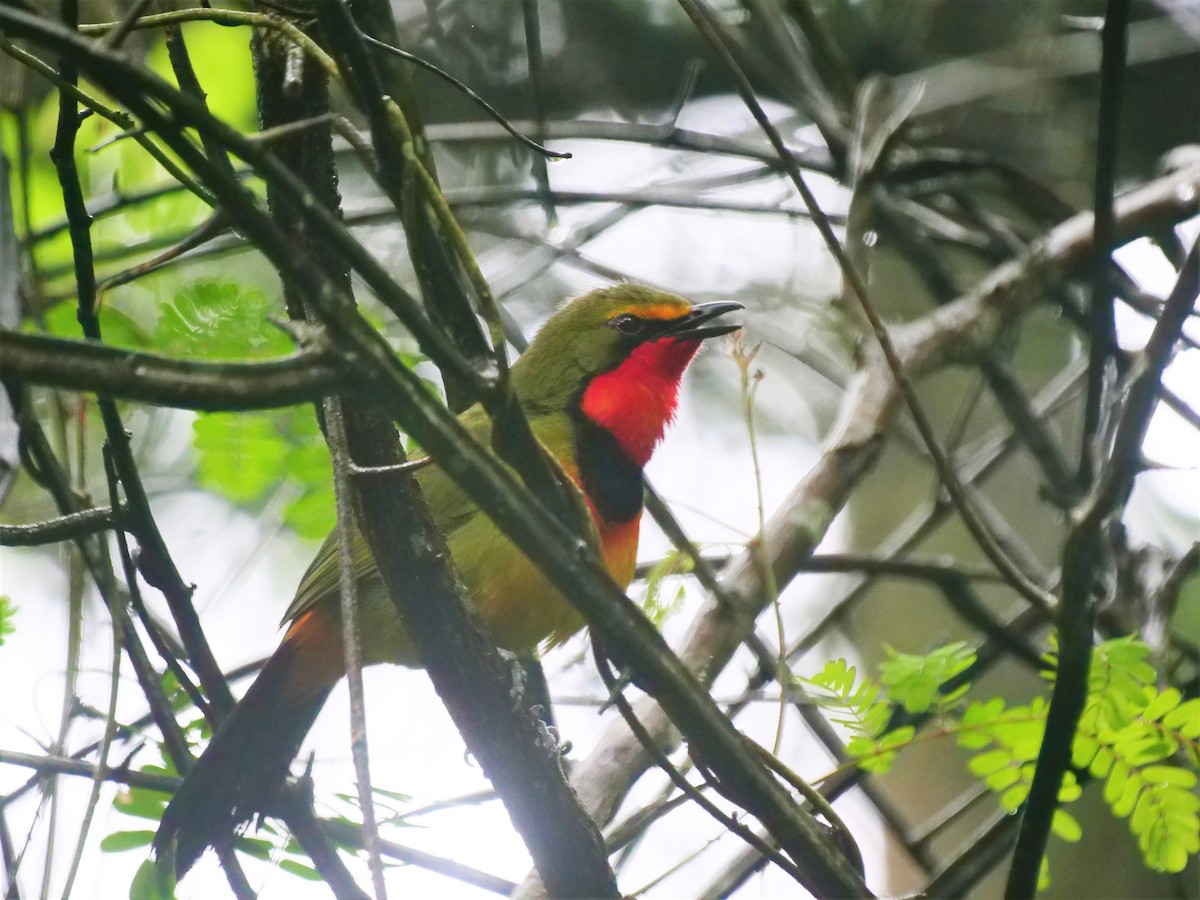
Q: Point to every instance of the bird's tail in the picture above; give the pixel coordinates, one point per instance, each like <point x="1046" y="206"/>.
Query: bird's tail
<point x="248" y="758"/>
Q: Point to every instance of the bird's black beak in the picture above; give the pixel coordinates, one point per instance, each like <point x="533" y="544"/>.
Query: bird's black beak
<point x="695" y="325"/>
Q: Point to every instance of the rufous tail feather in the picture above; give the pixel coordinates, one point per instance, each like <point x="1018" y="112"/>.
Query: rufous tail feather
<point x="250" y="754"/>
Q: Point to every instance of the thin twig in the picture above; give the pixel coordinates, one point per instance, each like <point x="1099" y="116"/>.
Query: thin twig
<point x="702" y="17"/>
<point x="677" y="778"/>
<point x="1102" y="329"/>
<point x="347" y="533"/>
<point x="116" y="613"/>
<point x="474" y="97"/>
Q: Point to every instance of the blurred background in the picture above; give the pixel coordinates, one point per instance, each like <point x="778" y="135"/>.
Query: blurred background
<point x="670" y="182"/>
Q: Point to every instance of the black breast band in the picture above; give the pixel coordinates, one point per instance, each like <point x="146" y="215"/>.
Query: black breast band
<point x="611" y="479"/>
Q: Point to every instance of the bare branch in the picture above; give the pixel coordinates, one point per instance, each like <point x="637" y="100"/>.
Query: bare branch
<point x="163" y="381"/>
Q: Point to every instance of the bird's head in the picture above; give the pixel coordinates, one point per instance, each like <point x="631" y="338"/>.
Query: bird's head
<point x="617" y="355"/>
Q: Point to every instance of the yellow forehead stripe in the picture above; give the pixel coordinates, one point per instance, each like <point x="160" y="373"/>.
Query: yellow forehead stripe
<point x="656" y="311"/>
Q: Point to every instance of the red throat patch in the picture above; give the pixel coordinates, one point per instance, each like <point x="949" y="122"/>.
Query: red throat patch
<point x="636" y="401"/>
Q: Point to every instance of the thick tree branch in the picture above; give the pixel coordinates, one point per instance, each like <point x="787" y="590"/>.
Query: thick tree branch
<point x="64" y="528"/>
<point x="163" y="381"/>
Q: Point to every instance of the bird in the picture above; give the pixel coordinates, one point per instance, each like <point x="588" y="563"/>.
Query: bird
<point x="599" y="385"/>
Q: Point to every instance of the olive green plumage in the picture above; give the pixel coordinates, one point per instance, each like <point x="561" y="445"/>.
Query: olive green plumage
<point x="240" y="771"/>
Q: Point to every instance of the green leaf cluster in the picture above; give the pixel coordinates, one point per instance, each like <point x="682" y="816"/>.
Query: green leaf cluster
<point x="861" y="708"/>
<point x="915" y="682"/>
<point x="1141" y="742"/>
<point x="1132" y="736"/>
<point x="119" y="329"/>
<point x="213" y="319"/>
<point x="249" y="457"/>
<point x="1007" y="740"/>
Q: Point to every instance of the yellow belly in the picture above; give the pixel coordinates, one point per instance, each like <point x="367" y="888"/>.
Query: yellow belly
<point x="521" y="608"/>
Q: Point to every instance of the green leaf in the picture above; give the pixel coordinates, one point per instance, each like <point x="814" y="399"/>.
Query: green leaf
<point x="1066" y="826"/>
<point x="214" y="319"/>
<point x="983" y="713"/>
<point x="153" y="882"/>
<point x="951" y="698"/>
<point x="1084" y="751"/>
<point x="1169" y="775"/>
<point x="1002" y="779"/>
<point x="1012" y="799"/>
<point x="897" y="738"/>
<point x="1125" y="803"/>
<point x="241" y="455"/>
<point x="1043" y="875"/>
<point x="879" y="765"/>
<point x="142" y="803"/>
<point x="834" y="687"/>
<point x="1143" y="811"/>
<point x="1114" y="788"/>
<point x="1174" y="858"/>
<point x="871" y="756"/>
<point x="1101" y="762"/>
<point x="914" y="680"/>
<point x="125" y="840"/>
<point x="118" y="328"/>
<point x="974" y="740"/>
<point x="860" y="746"/>
<point x="992" y="761"/>
<point x="1161" y="705"/>
<point x="1150" y="749"/>
<point x="1185" y="719"/>
<point x="300" y="869"/>
<point x="1070" y="789"/>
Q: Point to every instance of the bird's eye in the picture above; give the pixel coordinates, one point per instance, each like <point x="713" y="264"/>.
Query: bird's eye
<point x="627" y="324"/>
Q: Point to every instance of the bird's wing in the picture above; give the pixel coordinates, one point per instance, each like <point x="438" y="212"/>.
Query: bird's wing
<point x="451" y="508"/>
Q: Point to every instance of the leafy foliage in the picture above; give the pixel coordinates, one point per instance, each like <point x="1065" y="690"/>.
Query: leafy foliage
<point x="862" y="710"/>
<point x="248" y="458"/>
<point x="658" y="604"/>
<point x="119" y="329"/>
<point x="251" y="457"/>
<point x="7" y="614"/>
<point x="220" y="320"/>
<point x="914" y="681"/>
<point x="1131" y="736"/>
